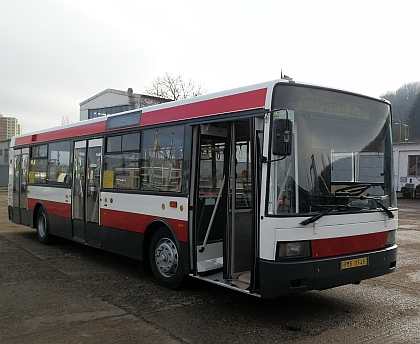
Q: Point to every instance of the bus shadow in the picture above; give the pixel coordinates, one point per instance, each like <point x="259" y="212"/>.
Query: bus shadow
<point x="303" y="313"/>
<point x="226" y="312"/>
<point x="311" y="304"/>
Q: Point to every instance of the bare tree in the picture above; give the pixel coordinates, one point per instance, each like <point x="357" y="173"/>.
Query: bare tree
<point x="174" y="87"/>
<point x="65" y="120"/>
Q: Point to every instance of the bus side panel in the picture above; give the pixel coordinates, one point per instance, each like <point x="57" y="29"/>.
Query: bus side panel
<point x="10" y="212"/>
<point x="131" y="245"/>
<point x="60" y="226"/>
<point x="11" y="217"/>
<point x="57" y="207"/>
<point x="26" y="217"/>
<point x="125" y="243"/>
<point x="120" y="210"/>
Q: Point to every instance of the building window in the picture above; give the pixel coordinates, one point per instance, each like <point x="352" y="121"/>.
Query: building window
<point x="94" y="113"/>
<point x="414" y="165"/>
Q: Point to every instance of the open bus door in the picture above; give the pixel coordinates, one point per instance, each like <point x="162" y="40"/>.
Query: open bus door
<point x="86" y="189"/>
<point x="225" y="205"/>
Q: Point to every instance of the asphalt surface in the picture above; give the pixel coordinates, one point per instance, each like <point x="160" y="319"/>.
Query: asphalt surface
<point x="70" y="293"/>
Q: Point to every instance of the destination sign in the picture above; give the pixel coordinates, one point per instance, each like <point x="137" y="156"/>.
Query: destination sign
<point x="333" y="107"/>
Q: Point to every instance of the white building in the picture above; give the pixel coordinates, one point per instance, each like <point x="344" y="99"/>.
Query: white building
<point x="4" y="162"/>
<point x="113" y="101"/>
<point x="407" y="164"/>
<point x="9" y="127"/>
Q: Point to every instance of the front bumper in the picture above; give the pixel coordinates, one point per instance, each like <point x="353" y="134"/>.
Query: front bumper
<point x="283" y="278"/>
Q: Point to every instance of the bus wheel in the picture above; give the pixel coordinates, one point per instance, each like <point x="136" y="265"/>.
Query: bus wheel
<point x="42" y="227"/>
<point x="165" y="259"/>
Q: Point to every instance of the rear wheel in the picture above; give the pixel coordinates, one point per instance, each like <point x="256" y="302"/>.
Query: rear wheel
<point x="42" y="227"/>
<point x="165" y="259"/>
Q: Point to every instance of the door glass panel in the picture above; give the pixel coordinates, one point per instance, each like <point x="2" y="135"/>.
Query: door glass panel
<point x="211" y="206"/>
<point x="16" y="178"/>
<point x="240" y="236"/>
<point x="243" y="167"/>
<point x="24" y="182"/>
<point x="79" y="180"/>
<point x="93" y="181"/>
<point x="211" y="179"/>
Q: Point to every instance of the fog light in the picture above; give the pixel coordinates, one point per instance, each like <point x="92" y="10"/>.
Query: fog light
<point x="293" y="249"/>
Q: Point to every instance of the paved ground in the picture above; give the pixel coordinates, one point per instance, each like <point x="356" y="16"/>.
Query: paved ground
<point x="69" y="293"/>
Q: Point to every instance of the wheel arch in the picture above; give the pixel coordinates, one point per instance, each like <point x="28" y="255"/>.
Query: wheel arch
<point x="148" y="235"/>
<point x="38" y="206"/>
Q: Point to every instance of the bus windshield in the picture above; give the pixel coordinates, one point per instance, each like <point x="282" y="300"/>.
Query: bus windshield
<point x="341" y="157"/>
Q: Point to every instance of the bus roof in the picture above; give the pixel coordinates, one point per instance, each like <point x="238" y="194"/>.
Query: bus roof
<point x="238" y="99"/>
<point x="244" y="98"/>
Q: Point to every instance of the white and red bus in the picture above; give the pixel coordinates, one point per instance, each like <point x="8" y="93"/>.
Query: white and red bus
<point x="270" y="189"/>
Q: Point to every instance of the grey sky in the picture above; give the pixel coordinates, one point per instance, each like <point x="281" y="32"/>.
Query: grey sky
<point x="55" y="54"/>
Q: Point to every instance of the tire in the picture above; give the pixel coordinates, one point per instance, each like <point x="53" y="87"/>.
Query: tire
<point x="165" y="260"/>
<point x="43" y="228"/>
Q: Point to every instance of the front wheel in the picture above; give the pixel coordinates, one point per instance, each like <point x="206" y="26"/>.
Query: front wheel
<point x="165" y="259"/>
<point x="42" y="228"/>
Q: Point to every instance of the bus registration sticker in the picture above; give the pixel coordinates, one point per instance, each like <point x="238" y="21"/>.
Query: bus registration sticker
<point x="354" y="263"/>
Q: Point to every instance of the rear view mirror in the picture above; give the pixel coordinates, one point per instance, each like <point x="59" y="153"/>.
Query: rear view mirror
<point x="282" y="136"/>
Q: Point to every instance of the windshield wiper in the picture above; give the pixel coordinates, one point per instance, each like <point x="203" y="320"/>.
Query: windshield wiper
<point x="317" y="217"/>
<point x="342" y="206"/>
<point x="336" y="207"/>
<point x="387" y="211"/>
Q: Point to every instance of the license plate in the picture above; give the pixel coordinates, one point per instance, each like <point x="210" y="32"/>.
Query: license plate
<point x="354" y="263"/>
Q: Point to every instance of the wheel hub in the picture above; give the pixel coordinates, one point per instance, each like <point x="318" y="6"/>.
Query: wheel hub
<point x="41" y="227"/>
<point x="166" y="257"/>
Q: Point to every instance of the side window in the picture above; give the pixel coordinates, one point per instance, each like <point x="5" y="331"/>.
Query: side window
<point x="161" y="159"/>
<point x="122" y="162"/>
<point x="414" y="165"/>
<point x="59" y="162"/>
<point x="113" y="144"/>
<point x="38" y="165"/>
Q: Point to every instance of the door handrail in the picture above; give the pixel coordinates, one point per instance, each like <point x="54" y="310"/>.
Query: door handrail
<point x="219" y="196"/>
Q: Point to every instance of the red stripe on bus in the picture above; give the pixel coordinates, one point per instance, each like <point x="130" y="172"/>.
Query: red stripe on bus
<point x="52" y="208"/>
<point x="236" y="102"/>
<point x="355" y="244"/>
<point x="138" y="222"/>
<point x="80" y="130"/>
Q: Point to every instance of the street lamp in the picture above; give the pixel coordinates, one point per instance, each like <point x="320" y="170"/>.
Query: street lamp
<point x="399" y="138"/>
<point x="406" y="130"/>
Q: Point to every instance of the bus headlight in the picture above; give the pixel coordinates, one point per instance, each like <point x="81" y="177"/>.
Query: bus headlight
<point x="293" y="249"/>
<point x="390" y="240"/>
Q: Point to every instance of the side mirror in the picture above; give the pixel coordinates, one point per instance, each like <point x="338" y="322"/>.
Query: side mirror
<point x="282" y="136"/>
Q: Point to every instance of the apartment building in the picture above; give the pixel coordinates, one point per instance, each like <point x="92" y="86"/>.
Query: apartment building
<point x="9" y="127"/>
